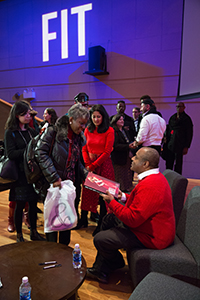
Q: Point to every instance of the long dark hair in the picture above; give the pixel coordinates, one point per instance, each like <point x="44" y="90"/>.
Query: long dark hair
<point x="53" y="114"/>
<point x="103" y="127"/>
<point x="19" y="108"/>
<point x="114" y="120"/>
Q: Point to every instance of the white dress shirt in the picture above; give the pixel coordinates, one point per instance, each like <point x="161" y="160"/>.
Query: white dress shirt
<point x="152" y="128"/>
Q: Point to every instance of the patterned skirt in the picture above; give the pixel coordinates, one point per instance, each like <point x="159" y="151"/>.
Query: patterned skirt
<point x="89" y="198"/>
<point x="123" y="175"/>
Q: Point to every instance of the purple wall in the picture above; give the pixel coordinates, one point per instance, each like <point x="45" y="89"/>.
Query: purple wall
<point x="142" y="39"/>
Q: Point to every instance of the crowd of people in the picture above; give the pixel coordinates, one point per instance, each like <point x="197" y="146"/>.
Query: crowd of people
<point x="86" y="139"/>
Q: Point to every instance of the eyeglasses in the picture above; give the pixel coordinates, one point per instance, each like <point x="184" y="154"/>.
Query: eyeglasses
<point x="25" y="114"/>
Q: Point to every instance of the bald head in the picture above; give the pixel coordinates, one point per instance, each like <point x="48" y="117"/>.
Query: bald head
<point x="151" y="155"/>
<point x="145" y="159"/>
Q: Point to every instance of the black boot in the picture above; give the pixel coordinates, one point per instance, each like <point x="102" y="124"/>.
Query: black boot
<point x="35" y="236"/>
<point x="20" y="238"/>
<point x="83" y="221"/>
<point x="103" y="212"/>
<point x="94" y="217"/>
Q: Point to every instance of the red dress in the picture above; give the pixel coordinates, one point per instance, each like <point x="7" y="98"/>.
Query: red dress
<point x="96" y="155"/>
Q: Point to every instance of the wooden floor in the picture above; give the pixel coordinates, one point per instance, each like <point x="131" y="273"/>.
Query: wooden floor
<point x="119" y="286"/>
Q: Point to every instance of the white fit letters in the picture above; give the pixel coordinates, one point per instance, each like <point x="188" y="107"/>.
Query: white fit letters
<point x="48" y="36"/>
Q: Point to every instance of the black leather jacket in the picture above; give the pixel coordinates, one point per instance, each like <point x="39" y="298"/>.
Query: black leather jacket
<point x="53" y="166"/>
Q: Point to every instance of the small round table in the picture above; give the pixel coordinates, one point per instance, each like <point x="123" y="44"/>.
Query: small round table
<point x="23" y="259"/>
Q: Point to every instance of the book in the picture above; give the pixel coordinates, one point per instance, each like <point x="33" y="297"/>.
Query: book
<point x="101" y="184"/>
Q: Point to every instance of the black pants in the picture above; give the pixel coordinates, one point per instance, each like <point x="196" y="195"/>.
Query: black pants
<point x="177" y="158"/>
<point x="113" y="236"/>
<point x="64" y="237"/>
<point x="32" y="212"/>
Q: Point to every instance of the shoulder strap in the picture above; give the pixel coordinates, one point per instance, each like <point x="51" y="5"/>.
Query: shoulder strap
<point x="52" y="142"/>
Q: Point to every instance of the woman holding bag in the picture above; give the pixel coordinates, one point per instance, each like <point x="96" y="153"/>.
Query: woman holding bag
<point x="17" y="136"/>
<point x="65" y="155"/>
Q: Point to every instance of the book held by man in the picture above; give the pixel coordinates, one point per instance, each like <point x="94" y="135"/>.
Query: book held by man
<point x="101" y="184"/>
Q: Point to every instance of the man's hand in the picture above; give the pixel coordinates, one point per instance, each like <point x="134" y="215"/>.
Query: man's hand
<point x="135" y="144"/>
<point x="57" y="183"/>
<point x="119" y="195"/>
<point x="107" y="197"/>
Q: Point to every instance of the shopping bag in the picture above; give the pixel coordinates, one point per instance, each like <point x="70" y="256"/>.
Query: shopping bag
<point x="8" y="169"/>
<point x="59" y="210"/>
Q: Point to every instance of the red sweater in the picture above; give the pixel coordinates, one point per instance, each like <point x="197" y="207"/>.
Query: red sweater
<point x="100" y="144"/>
<point x="149" y="212"/>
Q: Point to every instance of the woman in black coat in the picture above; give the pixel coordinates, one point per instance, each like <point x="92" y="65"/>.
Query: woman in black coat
<point x="121" y="154"/>
<point x="17" y="136"/>
<point x="64" y="162"/>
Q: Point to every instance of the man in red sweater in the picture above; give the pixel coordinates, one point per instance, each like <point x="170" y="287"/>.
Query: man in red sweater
<point x="146" y="221"/>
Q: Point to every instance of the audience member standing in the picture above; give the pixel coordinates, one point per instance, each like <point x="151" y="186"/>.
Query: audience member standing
<point x="96" y="154"/>
<point x="128" y="121"/>
<point x="11" y="224"/>
<point x="50" y="117"/>
<point x="65" y="156"/>
<point x="17" y="136"/>
<point x="179" y="137"/>
<point x="83" y="99"/>
<point x="145" y="97"/>
<point x="136" y="118"/>
<point x="121" y="154"/>
<point x="152" y="127"/>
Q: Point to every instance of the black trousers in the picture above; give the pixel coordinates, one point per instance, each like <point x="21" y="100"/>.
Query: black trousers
<point x="114" y="235"/>
<point x="176" y="158"/>
<point x="32" y="213"/>
<point x="64" y="237"/>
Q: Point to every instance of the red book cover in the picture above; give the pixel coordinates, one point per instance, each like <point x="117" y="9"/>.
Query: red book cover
<point x="101" y="184"/>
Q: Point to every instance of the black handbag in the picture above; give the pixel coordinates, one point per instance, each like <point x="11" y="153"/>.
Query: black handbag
<point x="8" y="170"/>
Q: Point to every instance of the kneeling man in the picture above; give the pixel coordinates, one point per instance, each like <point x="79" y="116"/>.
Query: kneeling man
<point x="146" y="221"/>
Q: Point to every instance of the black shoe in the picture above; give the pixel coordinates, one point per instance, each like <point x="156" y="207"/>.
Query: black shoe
<point x="94" y="217"/>
<point x="81" y="224"/>
<point x="39" y="211"/>
<point x="35" y="236"/>
<point x="94" y="274"/>
<point x="20" y="238"/>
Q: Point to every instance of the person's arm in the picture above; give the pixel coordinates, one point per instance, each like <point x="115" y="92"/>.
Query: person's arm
<point x="189" y="132"/>
<point x="144" y="205"/>
<point x="107" y="150"/>
<point x="143" y="132"/>
<point x="42" y="156"/>
<point x="85" y="153"/>
<point x="119" y="143"/>
<point x="11" y="149"/>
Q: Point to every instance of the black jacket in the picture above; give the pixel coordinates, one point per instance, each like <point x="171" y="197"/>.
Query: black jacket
<point x="128" y="121"/>
<point x="180" y="132"/>
<point x="120" y="152"/>
<point x="54" y="167"/>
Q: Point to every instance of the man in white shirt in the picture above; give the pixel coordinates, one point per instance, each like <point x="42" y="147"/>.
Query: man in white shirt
<point x="152" y="127"/>
<point x="136" y="119"/>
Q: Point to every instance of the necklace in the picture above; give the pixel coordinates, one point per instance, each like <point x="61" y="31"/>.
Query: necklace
<point x="24" y="137"/>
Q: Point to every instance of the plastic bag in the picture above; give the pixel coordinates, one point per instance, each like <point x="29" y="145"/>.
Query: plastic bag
<point x="59" y="210"/>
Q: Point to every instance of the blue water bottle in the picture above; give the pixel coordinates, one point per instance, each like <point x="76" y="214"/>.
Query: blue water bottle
<point x="77" y="257"/>
<point x="25" y="289"/>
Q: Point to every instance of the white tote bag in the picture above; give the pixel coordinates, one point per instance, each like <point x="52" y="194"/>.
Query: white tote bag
<point x="59" y="210"/>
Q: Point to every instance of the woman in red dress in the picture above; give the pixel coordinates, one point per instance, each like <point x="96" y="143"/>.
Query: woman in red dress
<point x="96" y="154"/>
